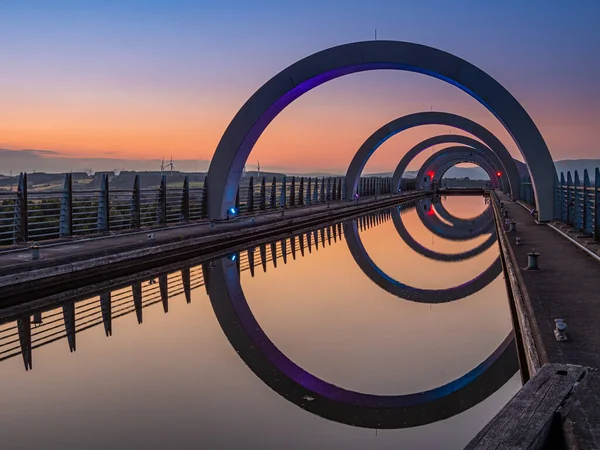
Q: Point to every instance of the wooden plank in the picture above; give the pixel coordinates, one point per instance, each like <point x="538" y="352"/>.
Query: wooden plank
<point x="524" y="423"/>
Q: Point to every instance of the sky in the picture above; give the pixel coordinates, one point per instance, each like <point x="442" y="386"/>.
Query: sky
<point x="87" y="84"/>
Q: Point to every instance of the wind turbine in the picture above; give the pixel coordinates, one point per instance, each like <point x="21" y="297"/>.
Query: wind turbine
<point x="162" y="166"/>
<point x="171" y="165"/>
<point x="258" y="170"/>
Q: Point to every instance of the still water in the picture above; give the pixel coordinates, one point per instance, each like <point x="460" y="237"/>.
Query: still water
<point x="351" y="336"/>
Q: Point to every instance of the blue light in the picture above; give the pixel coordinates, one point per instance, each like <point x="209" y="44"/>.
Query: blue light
<point x="232" y="211"/>
<point x="232" y="257"/>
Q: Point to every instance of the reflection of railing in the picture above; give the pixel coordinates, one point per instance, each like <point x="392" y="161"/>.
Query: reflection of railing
<point x="40" y="328"/>
<point x="33" y="215"/>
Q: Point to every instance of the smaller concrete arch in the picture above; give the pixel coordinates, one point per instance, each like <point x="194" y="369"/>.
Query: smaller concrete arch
<point x="510" y="173"/>
<point x="437" y="164"/>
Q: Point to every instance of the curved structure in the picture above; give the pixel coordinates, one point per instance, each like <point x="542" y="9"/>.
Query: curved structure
<point x="265" y="104"/>
<point x="329" y="401"/>
<point x="428" y="253"/>
<point x="434" y="168"/>
<point x="509" y="172"/>
<point x="426" y="118"/>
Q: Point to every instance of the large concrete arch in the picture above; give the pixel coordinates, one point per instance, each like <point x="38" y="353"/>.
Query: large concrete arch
<point x="265" y="104"/>
<point x="437" y="256"/>
<point x="450" y="156"/>
<point x="427" y="118"/>
<point x="332" y="402"/>
<point x="510" y="175"/>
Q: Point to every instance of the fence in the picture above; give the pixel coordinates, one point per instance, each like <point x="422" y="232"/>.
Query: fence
<point x="35" y="216"/>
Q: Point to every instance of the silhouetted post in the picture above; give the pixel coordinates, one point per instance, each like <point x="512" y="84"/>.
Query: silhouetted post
<point x="283" y="244"/>
<point x="103" y="205"/>
<point x="334" y="233"/>
<point x="66" y="208"/>
<point x="263" y="256"/>
<point x="343" y="184"/>
<point x="21" y="228"/>
<point x="273" y="199"/>
<point x="323" y="237"/>
<point x="263" y="194"/>
<point x="569" y="199"/>
<point x="301" y="192"/>
<point x="563" y="202"/>
<point x="250" y="197"/>
<point x="186" y="280"/>
<point x="587" y="204"/>
<point x="136" y="292"/>
<point x="315" y="234"/>
<point x="329" y="235"/>
<point x="328" y="189"/>
<point x="69" y="318"/>
<point x="237" y="199"/>
<point x="577" y="206"/>
<point x="136" y="198"/>
<point x="283" y="194"/>
<point x="597" y="205"/>
<point x="204" y="197"/>
<point x="24" y="329"/>
<point x="185" y="200"/>
<point x="106" y="308"/>
<point x="251" y="261"/>
<point x="315" y="193"/>
<point x="163" y="286"/>
<point x="301" y="240"/>
<point x="293" y="192"/>
<point x="274" y="254"/>
<point x="308" y="192"/>
<point x="161" y="207"/>
<point x="322" y="199"/>
<point x="293" y="246"/>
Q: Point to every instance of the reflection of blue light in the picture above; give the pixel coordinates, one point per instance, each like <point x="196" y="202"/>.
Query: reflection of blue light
<point x="232" y="211"/>
<point x="232" y="257"/>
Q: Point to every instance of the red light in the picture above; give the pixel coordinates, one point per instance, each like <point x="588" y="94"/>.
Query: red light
<point x="431" y="174"/>
<point x="499" y="174"/>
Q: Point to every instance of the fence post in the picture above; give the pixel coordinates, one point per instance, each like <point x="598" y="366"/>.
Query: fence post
<point x="185" y="200"/>
<point x="569" y="199"/>
<point x="283" y="194"/>
<point x="103" y="205"/>
<point x="204" y="197"/>
<point x="322" y="196"/>
<point x="237" y="198"/>
<point x="563" y="200"/>
<point x="587" y="204"/>
<point x="328" y="189"/>
<point x="301" y="192"/>
<point x="263" y="194"/>
<point x="136" y="197"/>
<point x="577" y="203"/>
<point x="315" y="193"/>
<point x="308" y="192"/>
<point x="161" y="207"/>
<point x="66" y="207"/>
<point x="273" y="200"/>
<point x="21" y="233"/>
<point x="250" y="197"/>
<point x="597" y="205"/>
<point x="343" y="184"/>
<point x="293" y="192"/>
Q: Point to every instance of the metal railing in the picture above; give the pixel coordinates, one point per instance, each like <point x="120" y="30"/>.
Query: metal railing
<point x="35" y="216"/>
<point x="38" y="328"/>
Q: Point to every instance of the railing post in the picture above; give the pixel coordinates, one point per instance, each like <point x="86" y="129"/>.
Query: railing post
<point x="293" y="192"/>
<point x="250" y="197"/>
<point x="569" y="199"/>
<point x="315" y="193"/>
<point x="161" y="207"/>
<point x="237" y="198"/>
<point x="597" y="205"/>
<point x="21" y="232"/>
<point x="322" y="199"/>
<point x="204" y="199"/>
<point x="328" y="189"/>
<point x="263" y="194"/>
<point x="103" y="205"/>
<point x="185" y="200"/>
<point x="283" y="193"/>
<point x="343" y="186"/>
<point x="273" y="194"/>
<point x="301" y="192"/>
<point x="587" y="204"/>
<point x="136" y="197"/>
<point x="66" y="208"/>
<point x="308" y="192"/>
<point x="563" y="199"/>
<point x="577" y="203"/>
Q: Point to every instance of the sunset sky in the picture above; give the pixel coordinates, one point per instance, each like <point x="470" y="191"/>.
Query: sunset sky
<point x="137" y="80"/>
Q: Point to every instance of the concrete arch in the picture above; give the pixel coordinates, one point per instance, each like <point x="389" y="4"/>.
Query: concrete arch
<point x="329" y="401"/>
<point x="510" y="175"/>
<point x="265" y="104"/>
<point x="394" y="287"/>
<point x="440" y="162"/>
<point x="429" y="118"/>
<point x="437" y="256"/>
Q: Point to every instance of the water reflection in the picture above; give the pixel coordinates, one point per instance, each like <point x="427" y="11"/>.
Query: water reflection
<point x="240" y="315"/>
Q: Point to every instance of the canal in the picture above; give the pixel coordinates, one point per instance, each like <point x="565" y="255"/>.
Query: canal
<point x="390" y="331"/>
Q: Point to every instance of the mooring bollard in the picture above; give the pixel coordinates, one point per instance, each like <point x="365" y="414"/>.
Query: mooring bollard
<point x="35" y="250"/>
<point x="532" y="260"/>
<point x="518" y="241"/>
<point x="513" y="226"/>
<point x="560" y="330"/>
